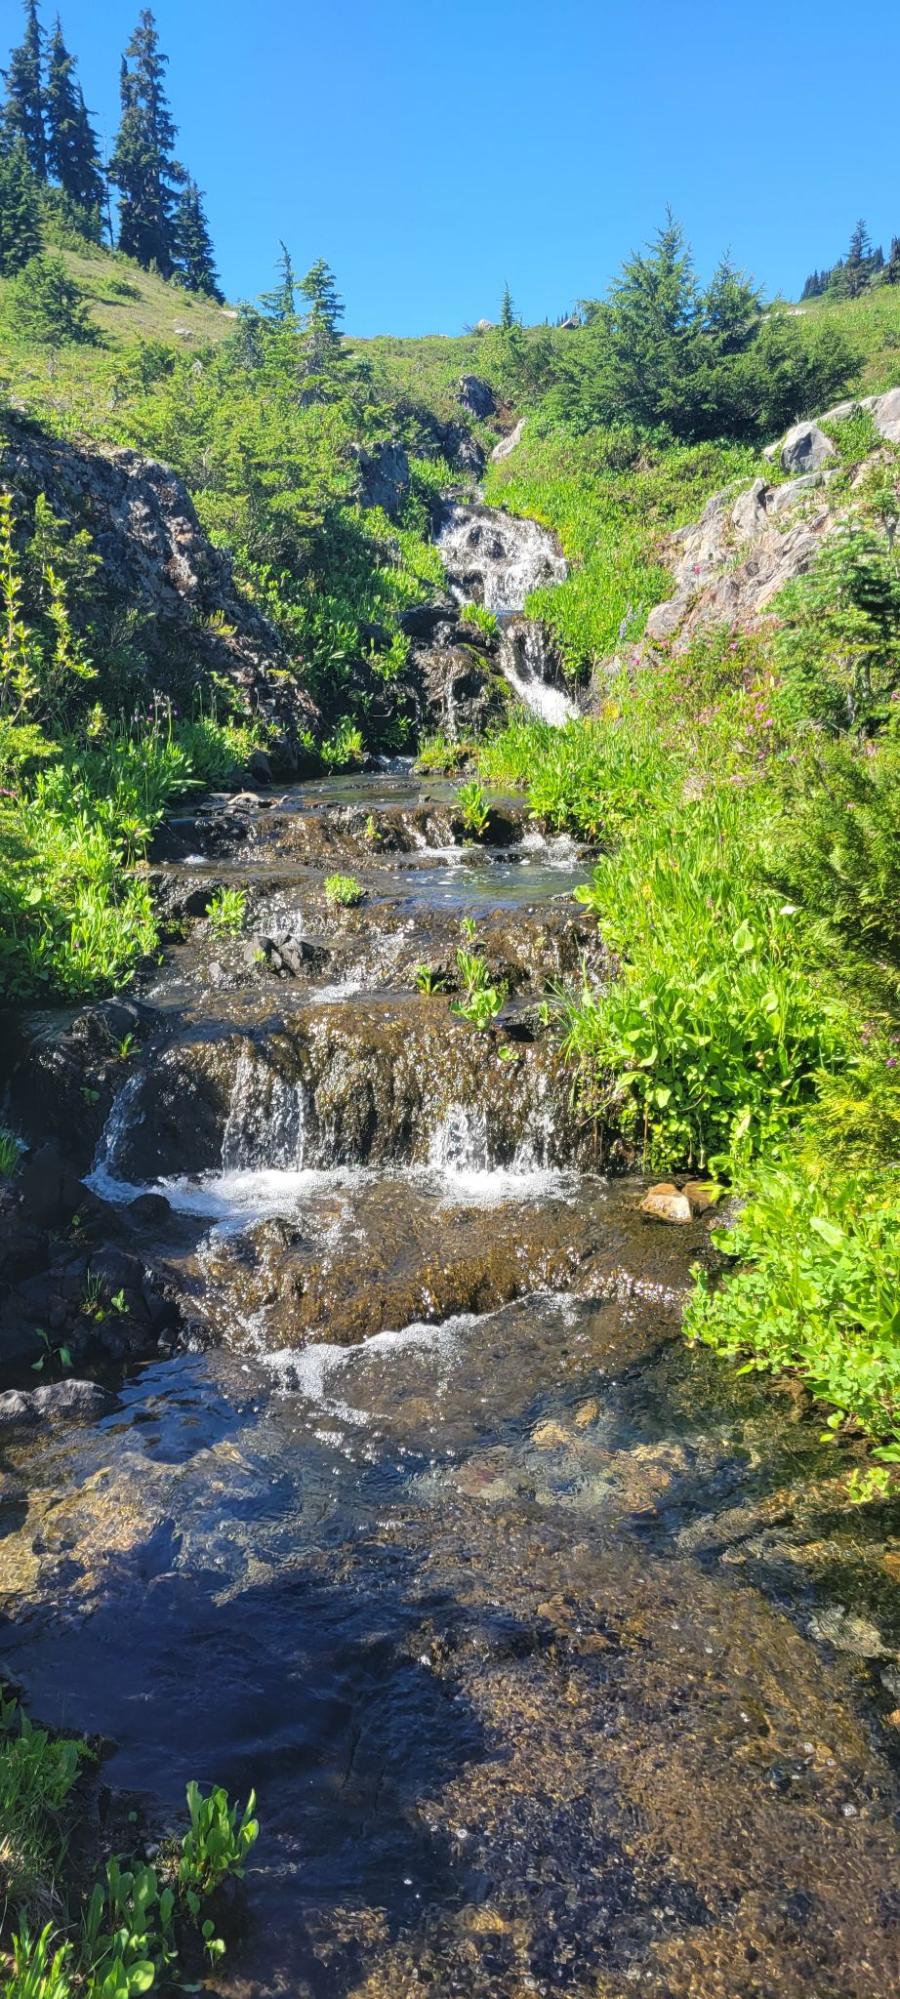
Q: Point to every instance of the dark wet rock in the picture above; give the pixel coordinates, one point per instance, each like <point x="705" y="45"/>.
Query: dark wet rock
<point x="56" y="1401"/>
<point x="476" y="395"/>
<point x="370" y="1258"/>
<point x="461" y="691"/>
<point x="48" y="1189"/>
<point x="350" y="1082"/>
<point x="383" y="477"/>
<point x="153" y="1208"/>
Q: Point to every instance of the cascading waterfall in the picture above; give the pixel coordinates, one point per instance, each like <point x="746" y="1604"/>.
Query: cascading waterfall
<point x="494" y="559"/>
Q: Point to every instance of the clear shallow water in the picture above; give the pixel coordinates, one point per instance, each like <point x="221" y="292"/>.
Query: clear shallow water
<point x="509" y="1615"/>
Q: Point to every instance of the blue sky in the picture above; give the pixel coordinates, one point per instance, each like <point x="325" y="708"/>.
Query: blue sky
<point x="431" y="151"/>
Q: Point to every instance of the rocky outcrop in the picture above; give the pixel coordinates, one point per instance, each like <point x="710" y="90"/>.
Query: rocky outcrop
<point x="729" y="567"/>
<point x="744" y="549"/>
<point x="383" y="477"/>
<point x="476" y="395"/>
<point x="159" y="565"/>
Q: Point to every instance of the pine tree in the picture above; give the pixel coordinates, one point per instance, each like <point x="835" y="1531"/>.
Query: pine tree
<point x="892" y="267"/>
<point x="195" y="257"/>
<point x="280" y="303"/>
<point x="858" y="262"/>
<point x="73" y="154"/>
<point x="20" y="218"/>
<point x="142" y="166"/>
<point x="23" y="112"/>
<point x="507" y="310"/>
<point x="322" y="341"/>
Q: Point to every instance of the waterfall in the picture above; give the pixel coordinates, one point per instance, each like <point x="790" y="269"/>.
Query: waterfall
<point x="494" y="559"/>
<point x="266" y="1121"/>
<point x="523" y="660"/>
<point x="459" y="1144"/>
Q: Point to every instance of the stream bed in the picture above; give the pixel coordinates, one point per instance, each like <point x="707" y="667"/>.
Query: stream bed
<point x="551" y="1647"/>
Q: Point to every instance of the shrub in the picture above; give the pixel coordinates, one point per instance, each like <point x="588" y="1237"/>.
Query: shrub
<point x="226" y="911"/>
<point x="44" y="305"/>
<point x="474" y="809"/>
<point x="344" y="890"/>
<point x="836" y="847"/>
<point x="713" y="1035"/>
<point x="819" y="1290"/>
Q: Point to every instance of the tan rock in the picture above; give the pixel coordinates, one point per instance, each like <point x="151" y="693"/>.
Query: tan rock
<point x="587" y="1413"/>
<point x="665" y="1204"/>
<point x="549" y="1437"/>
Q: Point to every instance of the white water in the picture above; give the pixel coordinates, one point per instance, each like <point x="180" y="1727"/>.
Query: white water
<point x="523" y="659"/>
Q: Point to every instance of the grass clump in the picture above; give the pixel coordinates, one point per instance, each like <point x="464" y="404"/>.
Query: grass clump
<point x="226" y="911"/>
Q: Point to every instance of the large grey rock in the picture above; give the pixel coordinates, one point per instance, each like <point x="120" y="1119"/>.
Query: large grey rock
<point x="805" y="448"/>
<point x="56" y="1400"/>
<point x="886" y="415"/>
<point x="476" y="395"/>
<point x="383" y="477"/>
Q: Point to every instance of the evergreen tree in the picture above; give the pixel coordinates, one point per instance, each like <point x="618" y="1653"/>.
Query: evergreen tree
<point x="23" y="112"/>
<point x="195" y="257"/>
<point x="142" y="166"/>
<point x="892" y="267"/>
<point x="322" y="341"/>
<point x="20" y="217"/>
<point x="858" y="262"/>
<point x="731" y="310"/>
<point x="507" y="310"/>
<point x="653" y="327"/>
<point x="73" y="154"/>
<point x="280" y="303"/>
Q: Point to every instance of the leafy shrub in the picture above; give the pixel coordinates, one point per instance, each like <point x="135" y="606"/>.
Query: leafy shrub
<point x="481" y="619"/>
<point x="226" y="911"/>
<point x="437" y="755"/>
<point x="481" y="1000"/>
<point x="345" y="750"/>
<point x="474" y="809"/>
<point x="427" y="979"/>
<point x="344" y="890"/>
<point x="819" y="1290"/>
<point x="713" y="1035"/>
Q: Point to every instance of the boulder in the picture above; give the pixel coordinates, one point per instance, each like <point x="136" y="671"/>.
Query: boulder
<point x="476" y="395"/>
<point x="48" y="1188"/>
<point x="56" y="1399"/>
<point x="886" y="415"/>
<point x="665" y="1204"/>
<point x="805" y="448"/>
<point x="383" y="477"/>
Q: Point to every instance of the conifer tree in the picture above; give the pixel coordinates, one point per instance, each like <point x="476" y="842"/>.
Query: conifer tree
<point x="280" y="303"/>
<point x="20" y="221"/>
<point x="23" y="112"/>
<point x="142" y="166"/>
<point x="322" y="341"/>
<point x="858" y="262"/>
<point x="195" y="257"/>
<point x="73" y="155"/>
<point x="507" y="310"/>
<point x="892" y="267"/>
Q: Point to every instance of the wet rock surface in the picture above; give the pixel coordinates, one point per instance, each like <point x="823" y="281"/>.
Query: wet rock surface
<point x="553" y="1649"/>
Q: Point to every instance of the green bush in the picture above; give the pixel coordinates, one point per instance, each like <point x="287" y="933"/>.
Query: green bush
<point x="819" y="1290"/>
<point x="344" y="890"/>
<point x="45" y="306"/>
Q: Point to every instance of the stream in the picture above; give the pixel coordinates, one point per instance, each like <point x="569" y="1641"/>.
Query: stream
<point x="551" y="1647"/>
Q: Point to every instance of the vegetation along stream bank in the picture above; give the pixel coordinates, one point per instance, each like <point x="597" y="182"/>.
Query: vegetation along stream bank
<point x="449" y="1214"/>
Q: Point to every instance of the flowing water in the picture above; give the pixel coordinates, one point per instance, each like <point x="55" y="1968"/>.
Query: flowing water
<point x="491" y="558"/>
<point x="554" y="1653"/>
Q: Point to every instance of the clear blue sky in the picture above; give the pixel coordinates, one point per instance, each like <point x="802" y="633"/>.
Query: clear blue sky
<point x="430" y="149"/>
